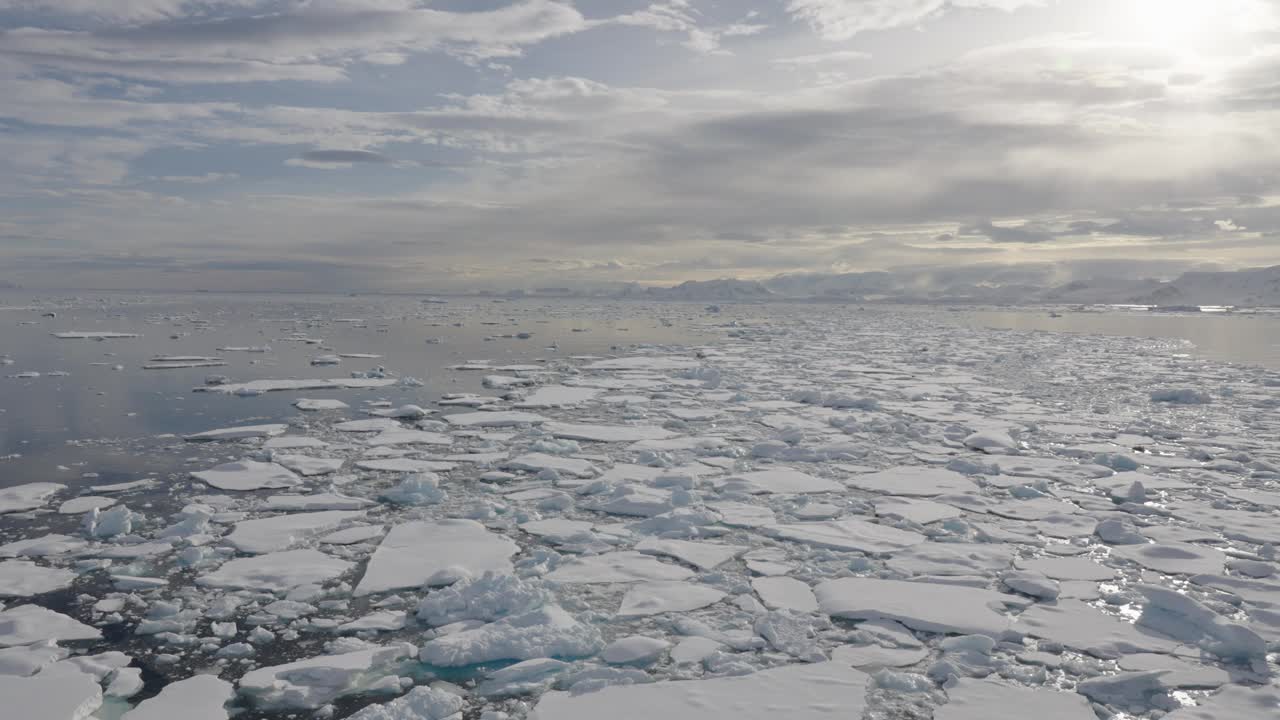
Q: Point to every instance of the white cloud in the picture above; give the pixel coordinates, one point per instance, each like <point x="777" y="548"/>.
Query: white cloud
<point x="843" y="19"/>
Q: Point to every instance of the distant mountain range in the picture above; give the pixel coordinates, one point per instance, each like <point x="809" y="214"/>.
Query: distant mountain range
<point x="1255" y="287"/>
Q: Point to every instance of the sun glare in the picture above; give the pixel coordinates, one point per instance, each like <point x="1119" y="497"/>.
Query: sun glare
<point x="1187" y="26"/>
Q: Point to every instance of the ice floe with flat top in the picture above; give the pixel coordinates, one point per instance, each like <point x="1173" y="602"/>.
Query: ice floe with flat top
<point x="200" y="697"/>
<point x="245" y="475"/>
<point x="617" y="567"/>
<point x="913" y="481"/>
<point x="822" y="691"/>
<point x="51" y="695"/>
<point x="971" y="699"/>
<point x="23" y="578"/>
<point x="27" y="624"/>
<point x="607" y="433"/>
<point x="275" y="572"/>
<point x="655" y="598"/>
<point x="848" y="534"/>
<point x="928" y="607"/>
<point x="552" y="396"/>
<point x="313" y="682"/>
<point x="242" y="432"/>
<point x="30" y="496"/>
<point x="779" y="481"/>
<point x="258" y="387"/>
<point x="281" y="532"/>
<point x="504" y="418"/>
<point x="419" y="553"/>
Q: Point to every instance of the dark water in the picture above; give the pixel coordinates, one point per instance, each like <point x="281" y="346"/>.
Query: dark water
<point x="1239" y="338"/>
<point x="105" y="420"/>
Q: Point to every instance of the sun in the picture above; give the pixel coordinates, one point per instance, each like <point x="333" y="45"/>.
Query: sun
<point x="1190" y="26"/>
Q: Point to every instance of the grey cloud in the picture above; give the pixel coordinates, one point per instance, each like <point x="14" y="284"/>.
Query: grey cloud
<point x="344" y="156"/>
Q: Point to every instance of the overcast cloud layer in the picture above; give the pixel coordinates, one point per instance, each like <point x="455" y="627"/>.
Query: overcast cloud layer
<point x="459" y="144"/>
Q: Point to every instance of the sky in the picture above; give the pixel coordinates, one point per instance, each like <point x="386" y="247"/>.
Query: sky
<point x="417" y="145"/>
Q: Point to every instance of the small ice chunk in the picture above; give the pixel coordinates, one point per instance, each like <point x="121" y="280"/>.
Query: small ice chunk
<point x="634" y="650"/>
<point x="420" y="703"/>
<point x="313" y="405"/>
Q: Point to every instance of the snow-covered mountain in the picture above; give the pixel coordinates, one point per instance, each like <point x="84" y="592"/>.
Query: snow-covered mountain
<point x="1013" y="285"/>
<point x="1250" y="288"/>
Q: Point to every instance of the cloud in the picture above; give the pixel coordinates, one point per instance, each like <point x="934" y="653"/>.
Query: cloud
<point x="843" y="19"/>
<point x="343" y="157"/>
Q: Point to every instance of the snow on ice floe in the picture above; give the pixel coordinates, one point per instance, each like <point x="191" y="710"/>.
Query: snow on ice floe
<point x="496" y="418"/>
<point x="458" y="549"/>
<point x="243" y="432"/>
<point x="246" y="475"/>
<point x="928" y="607"/>
<point x="644" y="363"/>
<point x="617" y="567"/>
<point x="607" y="433"/>
<point x="822" y="691"/>
<point x="971" y="699"/>
<point x="655" y="598"/>
<point x="257" y="387"/>
<point x="200" y="697"/>
<point x="850" y="534"/>
<point x="93" y="335"/>
<point x="548" y="631"/>
<point x="702" y="555"/>
<point x="281" y="532"/>
<point x="66" y="695"/>
<point x="321" y="404"/>
<point x="31" y="496"/>
<point x="783" y="480"/>
<point x="558" y="396"/>
<point x="275" y="572"/>
<point x="27" y="624"/>
<point x="313" y="682"/>
<point x="23" y="578"/>
<point x="85" y="503"/>
<point x="913" y="481"/>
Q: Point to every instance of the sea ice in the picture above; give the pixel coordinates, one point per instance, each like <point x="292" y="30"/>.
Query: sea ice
<point x="243" y="432"/>
<point x="313" y="682"/>
<point x="779" y="481"/>
<point x="244" y="475"/>
<point x="23" y="578"/>
<point x="654" y="598"/>
<point x="548" y="631"/>
<point x="26" y="624"/>
<point x="617" y="567"/>
<point x="51" y="695"/>
<point x="552" y="396"/>
<point x="929" y="607"/>
<point x="913" y="481"/>
<point x="200" y="697"/>
<point x="702" y="555"/>
<point x="785" y="593"/>
<point x="971" y="699"/>
<point x="847" y="534"/>
<point x="280" y="532"/>
<point x="31" y="496"/>
<point x="418" y="553"/>
<point x="276" y="572"/>
<point x="494" y="419"/>
<point x="822" y="691"/>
